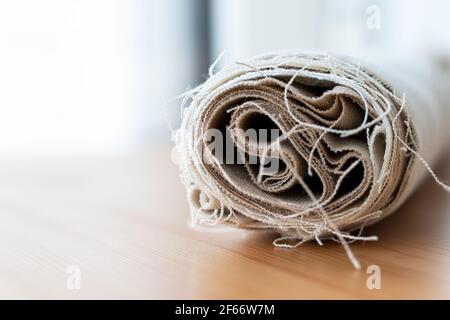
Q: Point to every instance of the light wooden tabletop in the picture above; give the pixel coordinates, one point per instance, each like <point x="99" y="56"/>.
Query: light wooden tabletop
<point x="118" y="227"/>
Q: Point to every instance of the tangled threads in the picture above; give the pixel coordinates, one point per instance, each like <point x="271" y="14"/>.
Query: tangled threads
<point x="308" y="144"/>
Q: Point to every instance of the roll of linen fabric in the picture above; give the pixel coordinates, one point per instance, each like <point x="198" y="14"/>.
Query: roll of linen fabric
<point x="354" y="142"/>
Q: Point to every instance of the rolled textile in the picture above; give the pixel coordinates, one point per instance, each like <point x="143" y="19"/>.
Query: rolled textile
<point x="310" y="144"/>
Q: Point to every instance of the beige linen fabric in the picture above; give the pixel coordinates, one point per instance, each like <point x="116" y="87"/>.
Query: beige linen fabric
<point x="352" y="145"/>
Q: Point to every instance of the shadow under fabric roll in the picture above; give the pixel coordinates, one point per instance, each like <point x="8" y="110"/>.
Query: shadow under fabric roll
<point x="351" y="144"/>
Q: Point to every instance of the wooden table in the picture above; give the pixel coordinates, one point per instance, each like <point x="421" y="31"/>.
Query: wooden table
<point x="122" y="222"/>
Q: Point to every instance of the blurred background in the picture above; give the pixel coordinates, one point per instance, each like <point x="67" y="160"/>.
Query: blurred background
<point x="92" y="76"/>
<point x="86" y="181"/>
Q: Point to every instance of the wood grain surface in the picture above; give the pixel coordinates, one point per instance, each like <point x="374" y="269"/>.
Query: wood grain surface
<point x="123" y="221"/>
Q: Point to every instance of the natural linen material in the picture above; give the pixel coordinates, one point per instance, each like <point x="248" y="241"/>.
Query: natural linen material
<point x="354" y="142"/>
